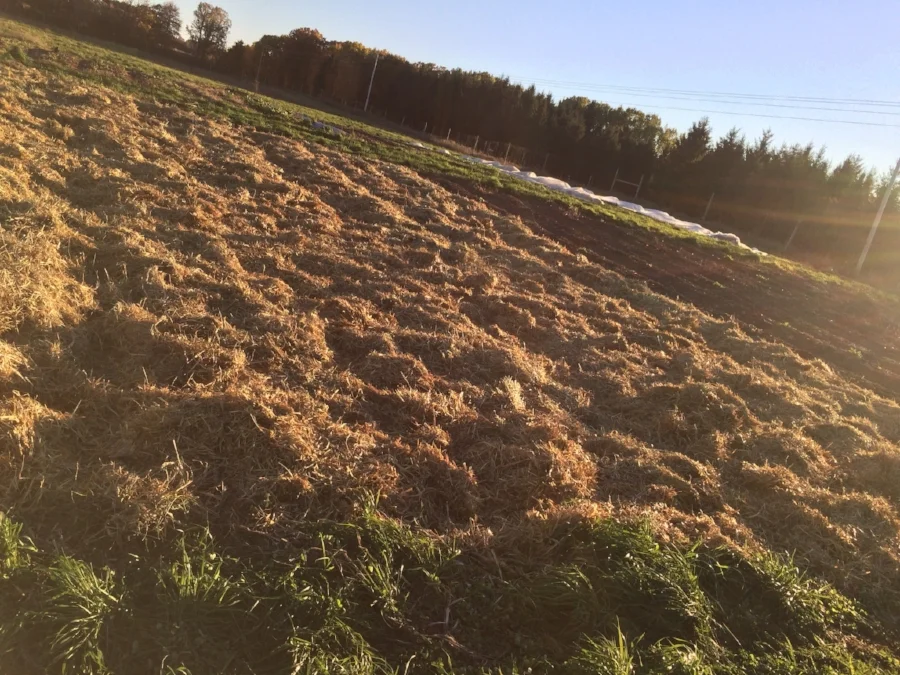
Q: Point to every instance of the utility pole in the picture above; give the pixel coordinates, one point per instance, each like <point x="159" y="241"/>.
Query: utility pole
<point x="259" y="68"/>
<point x="371" y="82"/>
<point x="708" y="206"/>
<point x="790" y="240"/>
<point x="875" y="223"/>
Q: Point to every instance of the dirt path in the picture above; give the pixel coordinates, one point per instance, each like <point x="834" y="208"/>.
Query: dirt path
<point x="853" y="333"/>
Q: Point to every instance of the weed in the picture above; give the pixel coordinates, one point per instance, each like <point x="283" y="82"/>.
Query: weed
<point x="14" y="549"/>
<point x="16" y="52"/>
<point x="196" y="576"/>
<point x="79" y="604"/>
<point x="607" y="656"/>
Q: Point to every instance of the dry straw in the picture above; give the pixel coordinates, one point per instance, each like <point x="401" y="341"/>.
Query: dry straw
<point x="207" y="324"/>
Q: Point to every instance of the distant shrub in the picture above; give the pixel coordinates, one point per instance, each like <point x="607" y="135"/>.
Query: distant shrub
<point x="16" y="52"/>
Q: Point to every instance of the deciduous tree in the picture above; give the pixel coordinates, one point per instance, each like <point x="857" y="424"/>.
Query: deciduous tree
<point x="209" y="29"/>
<point x="167" y="24"/>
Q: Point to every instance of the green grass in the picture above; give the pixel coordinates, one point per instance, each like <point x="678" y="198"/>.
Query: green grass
<point x="374" y="596"/>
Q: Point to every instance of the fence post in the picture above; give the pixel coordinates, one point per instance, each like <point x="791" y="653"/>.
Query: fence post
<point x="475" y="147"/>
<point x="544" y="169"/>
<point x="708" y="205"/>
<point x="877" y="221"/>
<point x="506" y="156"/>
<point x="425" y="130"/>
<point x="403" y="121"/>
<point x="640" y="183"/>
<point x="448" y="133"/>
<point x="612" y="188"/>
<point x="591" y="180"/>
<point x="790" y="240"/>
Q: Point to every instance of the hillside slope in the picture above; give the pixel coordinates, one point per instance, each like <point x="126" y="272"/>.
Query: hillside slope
<point x="267" y="405"/>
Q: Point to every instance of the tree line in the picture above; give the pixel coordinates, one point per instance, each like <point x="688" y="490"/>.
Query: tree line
<point x="759" y="189"/>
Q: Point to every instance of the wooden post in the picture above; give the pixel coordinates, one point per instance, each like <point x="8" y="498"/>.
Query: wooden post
<point x="258" y="69"/>
<point x="544" y="169"/>
<point x="448" y="133"/>
<point x="640" y="183"/>
<point x="708" y="205"/>
<point x="790" y="240"/>
<point x="403" y="121"/>
<point x="506" y="156"/>
<point x="371" y="82"/>
<point x="612" y="188"/>
<point x="591" y="180"/>
<point x="477" y="138"/>
<point x="425" y="130"/>
<point x="875" y="223"/>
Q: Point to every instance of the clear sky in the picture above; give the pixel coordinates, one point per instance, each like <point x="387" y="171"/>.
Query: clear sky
<point x="834" y="49"/>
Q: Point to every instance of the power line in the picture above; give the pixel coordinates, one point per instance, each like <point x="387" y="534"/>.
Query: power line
<point x="705" y="93"/>
<point x="750" y="114"/>
<point x="751" y="103"/>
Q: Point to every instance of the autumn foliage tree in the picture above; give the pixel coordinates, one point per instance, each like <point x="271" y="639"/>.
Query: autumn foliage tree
<point x="166" y="24"/>
<point x="209" y="29"/>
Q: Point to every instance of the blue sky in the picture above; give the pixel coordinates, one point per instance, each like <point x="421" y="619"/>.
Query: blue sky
<point x="822" y="48"/>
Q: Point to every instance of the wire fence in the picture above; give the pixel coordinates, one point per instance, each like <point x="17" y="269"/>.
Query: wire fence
<point x="507" y="153"/>
<point x="521" y="157"/>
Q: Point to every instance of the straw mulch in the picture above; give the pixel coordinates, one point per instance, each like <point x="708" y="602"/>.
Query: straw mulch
<point x="204" y="323"/>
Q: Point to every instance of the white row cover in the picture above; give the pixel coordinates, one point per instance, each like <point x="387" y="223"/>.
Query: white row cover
<point x="587" y="195"/>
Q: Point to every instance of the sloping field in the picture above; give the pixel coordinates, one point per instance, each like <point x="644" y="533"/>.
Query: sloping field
<point x="270" y="406"/>
<point x="853" y="329"/>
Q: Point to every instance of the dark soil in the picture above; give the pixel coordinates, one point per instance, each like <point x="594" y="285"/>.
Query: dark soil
<point x="855" y="333"/>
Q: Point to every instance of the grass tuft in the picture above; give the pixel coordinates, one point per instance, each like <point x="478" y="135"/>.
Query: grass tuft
<point x="14" y="549"/>
<point x="17" y="53"/>
<point x="606" y="656"/>
<point x="80" y="603"/>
